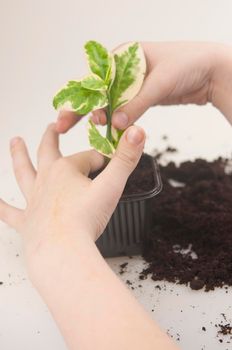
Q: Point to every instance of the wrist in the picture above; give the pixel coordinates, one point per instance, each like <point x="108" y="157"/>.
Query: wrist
<point x="221" y="81"/>
<point x="46" y="259"/>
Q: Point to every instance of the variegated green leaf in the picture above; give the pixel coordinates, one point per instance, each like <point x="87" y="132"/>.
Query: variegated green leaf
<point x="116" y="135"/>
<point x="93" y="82"/>
<point x="100" y="143"/>
<point x="130" y="71"/>
<point x="78" y="99"/>
<point x="114" y="80"/>
<point x="111" y="72"/>
<point x="100" y="61"/>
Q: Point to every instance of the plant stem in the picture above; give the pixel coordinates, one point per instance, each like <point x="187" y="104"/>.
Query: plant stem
<point x="109" y="117"/>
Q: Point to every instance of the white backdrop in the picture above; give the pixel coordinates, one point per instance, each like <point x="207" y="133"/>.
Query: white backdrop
<point x="41" y="47"/>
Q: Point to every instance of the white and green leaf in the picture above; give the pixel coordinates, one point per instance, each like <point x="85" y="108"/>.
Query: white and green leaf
<point x="76" y="98"/>
<point x="116" y="135"/>
<point x="130" y="71"/>
<point x="100" y="143"/>
<point x="111" y="72"/>
<point x="93" y="82"/>
<point x="100" y="61"/>
<point x="115" y="79"/>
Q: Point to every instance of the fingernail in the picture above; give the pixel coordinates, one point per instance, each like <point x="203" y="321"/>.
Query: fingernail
<point x="135" y="135"/>
<point x="120" y="119"/>
<point x="14" y="141"/>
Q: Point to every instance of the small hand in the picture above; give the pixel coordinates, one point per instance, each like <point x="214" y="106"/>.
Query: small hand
<point x="61" y="199"/>
<point x="65" y="213"/>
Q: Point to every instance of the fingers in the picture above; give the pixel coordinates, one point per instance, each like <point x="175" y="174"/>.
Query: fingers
<point x="99" y="117"/>
<point x="129" y="113"/>
<point x="24" y="171"/>
<point x="155" y="87"/>
<point x="87" y="162"/>
<point x="66" y="120"/>
<point x="111" y="182"/>
<point x="11" y="215"/>
<point x="48" y="150"/>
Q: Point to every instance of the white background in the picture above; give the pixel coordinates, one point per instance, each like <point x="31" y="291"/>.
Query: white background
<point x="41" y="47"/>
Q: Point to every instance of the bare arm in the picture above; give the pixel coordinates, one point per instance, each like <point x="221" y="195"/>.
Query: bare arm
<point x="91" y="306"/>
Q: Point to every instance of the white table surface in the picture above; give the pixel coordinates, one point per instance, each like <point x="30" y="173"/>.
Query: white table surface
<point x="41" y="47"/>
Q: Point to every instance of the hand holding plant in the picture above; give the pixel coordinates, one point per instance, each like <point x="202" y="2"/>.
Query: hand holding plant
<point x="177" y="73"/>
<point x="113" y="81"/>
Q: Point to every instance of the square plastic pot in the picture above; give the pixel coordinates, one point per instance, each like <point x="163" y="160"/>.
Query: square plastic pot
<point x="130" y="221"/>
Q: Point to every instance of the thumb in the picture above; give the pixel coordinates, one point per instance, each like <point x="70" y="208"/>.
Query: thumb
<point x="155" y="88"/>
<point x="111" y="182"/>
<point x="130" y="112"/>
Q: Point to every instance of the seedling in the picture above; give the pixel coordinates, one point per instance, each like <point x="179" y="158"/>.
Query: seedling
<point x="114" y="79"/>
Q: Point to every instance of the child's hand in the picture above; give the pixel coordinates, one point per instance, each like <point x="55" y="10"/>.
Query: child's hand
<point x="61" y="200"/>
<point x="177" y="73"/>
<point x="65" y="213"/>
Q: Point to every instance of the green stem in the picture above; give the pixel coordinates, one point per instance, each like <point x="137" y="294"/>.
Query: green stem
<point x="109" y="117"/>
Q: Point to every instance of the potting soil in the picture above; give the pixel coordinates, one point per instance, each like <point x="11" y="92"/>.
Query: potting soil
<point x="191" y="237"/>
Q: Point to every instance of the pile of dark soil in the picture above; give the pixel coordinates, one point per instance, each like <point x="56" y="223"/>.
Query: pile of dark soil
<point x="191" y="237"/>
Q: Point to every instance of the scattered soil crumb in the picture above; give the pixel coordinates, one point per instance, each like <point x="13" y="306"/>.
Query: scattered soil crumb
<point x="123" y="268"/>
<point x="225" y="329"/>
<point x="129" y="282"/>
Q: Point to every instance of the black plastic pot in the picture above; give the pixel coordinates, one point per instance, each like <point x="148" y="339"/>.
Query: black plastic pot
<point x="130" y="221"/>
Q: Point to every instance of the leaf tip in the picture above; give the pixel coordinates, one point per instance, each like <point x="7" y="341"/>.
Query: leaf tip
<point x="54" y="102"/>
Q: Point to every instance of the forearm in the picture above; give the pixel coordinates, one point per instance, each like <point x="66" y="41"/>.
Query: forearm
<point x="222" y="82"/>
<point x="91" y="306"/>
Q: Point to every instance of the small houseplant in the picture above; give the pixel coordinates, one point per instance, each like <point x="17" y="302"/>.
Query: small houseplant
<point x="114" y="79"/>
